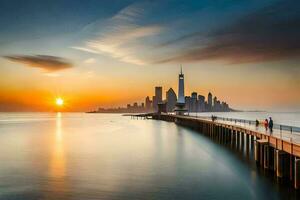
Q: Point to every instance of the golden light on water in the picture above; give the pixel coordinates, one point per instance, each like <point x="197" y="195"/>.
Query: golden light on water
<point x="57" y="165"/>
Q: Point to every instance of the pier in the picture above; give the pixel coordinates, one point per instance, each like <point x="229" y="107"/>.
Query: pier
<point x="278" y="151"/>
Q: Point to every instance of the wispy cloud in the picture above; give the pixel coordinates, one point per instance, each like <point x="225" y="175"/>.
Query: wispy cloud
<point x="90" y="61"/>
<point x="268" y="34"/>
<point x="45" y="62"/>
<point x="123" y="36"/>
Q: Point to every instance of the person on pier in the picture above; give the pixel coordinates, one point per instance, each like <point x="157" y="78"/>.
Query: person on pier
<point x="256" y="124"/>
<point x="271" y="125"/>
<point x="266" y="124"/>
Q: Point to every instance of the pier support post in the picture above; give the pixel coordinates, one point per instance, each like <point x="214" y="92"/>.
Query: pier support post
<point x="223" y="135"/>
<point x="279" y="163"/>
<point x="238" y="140"/>
<point x="275" y="160"/>
<point x="256" y="151"/>
<point x="272" y="159"/>
<point x="252" y="140"/>
<point x="260" y="153"/>
<point x="242" y="141"/>
<point x="228" y="135"/>
<point x="247" y="144"/>
<point x="266" y="156"/>
<point x="297" y="173"/>
<point x="292" y="166"/>
<point x="234" y="139"/>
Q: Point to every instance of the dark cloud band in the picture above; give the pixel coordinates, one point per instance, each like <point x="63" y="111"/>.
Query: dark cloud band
<point x="268" y="34"/>
<point x="46" y="62"/>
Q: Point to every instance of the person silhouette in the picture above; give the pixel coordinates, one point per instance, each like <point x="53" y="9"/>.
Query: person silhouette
<point x="266" y="124"/>
<point x="271" y="124"/>
<point x="256" y="123"/>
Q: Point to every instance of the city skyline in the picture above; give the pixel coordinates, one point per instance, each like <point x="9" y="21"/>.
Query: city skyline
<point x="109" y="53"/>
<point x="172" y="102"/>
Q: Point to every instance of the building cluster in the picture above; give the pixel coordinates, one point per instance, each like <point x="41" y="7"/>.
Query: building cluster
<point x="151" y="104"/>
<point x="197" y="103"/>
<point x="193" y="103"/>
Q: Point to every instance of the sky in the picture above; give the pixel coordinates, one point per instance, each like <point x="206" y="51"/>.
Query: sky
<point x="109" y="53"/>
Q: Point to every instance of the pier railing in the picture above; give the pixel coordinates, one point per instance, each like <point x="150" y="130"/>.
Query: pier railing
<point x="284" y="132"/>
<point x="280" y="127"/>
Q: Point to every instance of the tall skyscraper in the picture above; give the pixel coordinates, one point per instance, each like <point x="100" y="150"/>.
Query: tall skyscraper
<point x="209" y="101"/>
<point x="201" y="103"/>
<point x="171" y="100"/>
<point x="188" y="105"/>
<point x="154" y="103"/>
<point x="180" y="105"/>
<point x="181" y="88"/>
<point x="194" y="106"/>
<point x="157" y="98"/>
<point x="148" y="103"/>
<point x="215" y="101"/>
<point x="158" y="94"/>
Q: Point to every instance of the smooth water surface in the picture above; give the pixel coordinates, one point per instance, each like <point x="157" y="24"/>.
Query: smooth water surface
<point x="77" y="156"/>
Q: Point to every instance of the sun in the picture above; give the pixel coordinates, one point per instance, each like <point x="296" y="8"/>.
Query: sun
<point x="59" y="101"/>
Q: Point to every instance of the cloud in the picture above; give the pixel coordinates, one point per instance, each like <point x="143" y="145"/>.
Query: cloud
<point x="90" y="61"/>
<point x="122" y="37"/>
<point x="268" y="34"/>
<point x="45" y="62"/>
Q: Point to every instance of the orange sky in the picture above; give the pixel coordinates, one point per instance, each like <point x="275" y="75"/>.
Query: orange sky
<point x="98" y="54"/>
<point x="30" y="89"/>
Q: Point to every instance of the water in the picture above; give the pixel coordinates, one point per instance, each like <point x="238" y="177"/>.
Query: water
<point x="76" y="156"/>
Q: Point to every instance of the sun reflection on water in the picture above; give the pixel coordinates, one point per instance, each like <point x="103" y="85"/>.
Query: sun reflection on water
<point x="57" y="167"/>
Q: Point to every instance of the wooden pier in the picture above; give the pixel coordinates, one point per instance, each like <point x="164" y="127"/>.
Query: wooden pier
<point x="279" y="155"/>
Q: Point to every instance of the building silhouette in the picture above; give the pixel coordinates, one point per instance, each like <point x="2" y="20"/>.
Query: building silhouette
<point x="201" y="103"/>
<point x="209" y="101"/>
<point x="158" y="93"/>
<point x="194" y="102"/>
<point x="181" y="97"/>
<point x="188" y="103"/>
<point x="157" y="98"/>
<point x="171" y="100"/>
<point x="180" y="105"/>
<point x="148" y="103"/>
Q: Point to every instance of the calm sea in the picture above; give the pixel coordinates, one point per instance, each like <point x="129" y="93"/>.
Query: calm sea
<point x="77" y="156"/>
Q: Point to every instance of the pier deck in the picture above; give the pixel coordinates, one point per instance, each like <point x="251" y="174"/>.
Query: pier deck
<point x="278" y="151"/>
<point x="282" y="140"/>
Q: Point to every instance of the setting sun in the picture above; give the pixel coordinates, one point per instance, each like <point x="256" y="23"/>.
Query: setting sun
<point x="59" y="101"/>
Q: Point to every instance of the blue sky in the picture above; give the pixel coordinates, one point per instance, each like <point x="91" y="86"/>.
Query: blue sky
<point x="256" y="42"/>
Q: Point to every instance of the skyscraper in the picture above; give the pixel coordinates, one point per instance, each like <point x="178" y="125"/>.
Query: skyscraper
<point x="154" y="103"/>
<point x="158" y="97"/>
<point x="201" y="103"/>
<point x="148" y="103"/>
<point x="180" y="105"/>
<point x="215" y="101"/>
<point x="181" y="88"/>
<point x="209" y="101"/>
<point x="171" y="100"/>
<point x="158" y="94"/>
<point x="194" y="106"/>
<point x="188" y="105"/>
